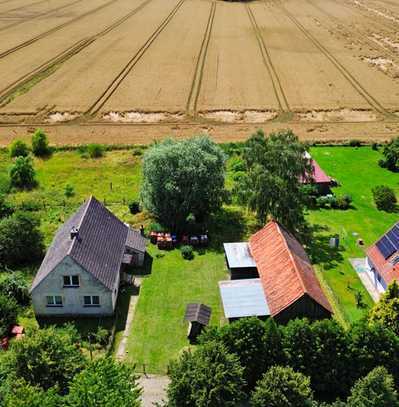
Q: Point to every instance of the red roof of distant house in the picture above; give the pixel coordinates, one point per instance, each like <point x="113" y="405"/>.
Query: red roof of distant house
<point x="318" y="175"/>
<point x="284" y="268"/>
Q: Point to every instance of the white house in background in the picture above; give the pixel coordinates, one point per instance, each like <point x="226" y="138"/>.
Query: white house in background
<point x="80" y="273"/>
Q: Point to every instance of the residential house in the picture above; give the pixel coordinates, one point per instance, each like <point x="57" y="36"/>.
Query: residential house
<point x="287" y="286"/>
<point x="80" y="273"/>
<point x="383" y="258"/>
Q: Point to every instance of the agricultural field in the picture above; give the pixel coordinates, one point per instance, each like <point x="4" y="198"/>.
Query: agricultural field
<point x="147" y="68"/>
<point x="158" y="332"/>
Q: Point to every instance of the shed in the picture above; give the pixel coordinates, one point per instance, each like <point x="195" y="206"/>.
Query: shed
<point x="243" y="298"/>
<point x="239" y="261"/>
<point x="198" y="316"/>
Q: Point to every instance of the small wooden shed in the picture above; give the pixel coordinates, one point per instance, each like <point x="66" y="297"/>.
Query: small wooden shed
<point x="198" y="316"/>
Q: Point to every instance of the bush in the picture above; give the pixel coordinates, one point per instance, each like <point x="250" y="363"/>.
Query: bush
<point x="102" y="336"/>
<point x="22" y="173"/>
<point x="187" y="252"/>
<point x="342" y="202"/>
<point x="6" y="208"/>
<point x="384" y="198"/>
<point x="95" y="150"/>
<point x="237" y="164"/>
<point x="375" y="146"/>
<point x="156" y="227"/>
<point x="8" y="314"/>
<point x="29" y="206"/>
<point x="69" y="191"/>
<point x="40" y="147"/>
<point x="134" y="207"/>
<point x="391" y="155"/>
<point x="14" y="285"/>
<point x="18" y="148"/>
<point x="355" y="143"/>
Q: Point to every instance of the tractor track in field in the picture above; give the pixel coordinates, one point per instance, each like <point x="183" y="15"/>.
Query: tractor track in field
<point x="24" y="20"/>
<point x="63" y="56"/>
<point x="114" y="85"/>
<point x="54" y="29"/>
<point x="267" y="60"/>
<point x="362" y="36"/>
<point x="5" y="1"/>
<point x="22" y="7"/>
<point x="192" y="101"/>
<point x="374" y="103"/>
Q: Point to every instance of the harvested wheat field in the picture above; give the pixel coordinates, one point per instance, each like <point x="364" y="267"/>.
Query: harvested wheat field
<point x="125" y="71"/>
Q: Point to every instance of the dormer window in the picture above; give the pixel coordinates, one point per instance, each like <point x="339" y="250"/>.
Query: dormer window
<point x="71" y="281"/>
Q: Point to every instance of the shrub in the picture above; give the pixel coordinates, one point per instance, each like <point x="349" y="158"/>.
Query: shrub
<point x="22" y="173"/>
<point x="29" y="206"/>
<point x="102" y="336"/>
<point x="384" y="198"/>
<point x="342" y="202"/>
<point x="354" y="143"/>
<point x="137" y="152"/>
<point x="18" y="148"/>
<point x="8" y="314"/>
<point x="6" y="208"/>
<point x="237" y="164"/>
<point x="375" y="146"/>
<point x="326" y="201"/>
<point x="14" y="285"/>
<point x="95" y="150"/>
<point x="187" y="252"/>
<point x="156" y="227"/>
<point x="134" y="207"/>
<point x="40" y="146"/>
<point x="391" y="155"/>
<point x="69" y="190"/>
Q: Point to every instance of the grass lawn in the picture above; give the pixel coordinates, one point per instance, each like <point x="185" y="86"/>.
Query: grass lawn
<point x="357" y="171"/>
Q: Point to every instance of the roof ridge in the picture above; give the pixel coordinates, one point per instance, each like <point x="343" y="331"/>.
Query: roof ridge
<point x="87" y="203"/>
<point x="291" y="257"/>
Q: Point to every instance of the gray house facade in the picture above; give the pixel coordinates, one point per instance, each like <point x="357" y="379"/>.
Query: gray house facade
<point x="80" y="273"/>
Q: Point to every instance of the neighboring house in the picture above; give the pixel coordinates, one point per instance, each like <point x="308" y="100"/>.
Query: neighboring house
<point x="287" y="286"/>
<point x="80" y="273"/>
<point x="318" y="177"/>
<point x="383" y="258"/>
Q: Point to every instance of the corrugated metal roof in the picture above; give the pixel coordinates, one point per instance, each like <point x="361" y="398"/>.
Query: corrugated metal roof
<point x="238" y="255"/>
<point x="243" y="298"/>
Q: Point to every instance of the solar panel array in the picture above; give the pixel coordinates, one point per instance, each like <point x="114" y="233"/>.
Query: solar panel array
<point x="389" y="243"/>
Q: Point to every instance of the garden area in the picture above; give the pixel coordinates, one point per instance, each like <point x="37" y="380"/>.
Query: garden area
<point x="66" y="178"/>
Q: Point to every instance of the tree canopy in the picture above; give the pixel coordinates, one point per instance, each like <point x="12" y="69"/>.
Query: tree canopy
<point x="182" y="178"/>
<point x="22" y="173"/>
<point x="8" y="314"/>
<point x="40" y="146"/>
<point x="18" y="148"/>
<point x="391" y="155"/>
<point x="271" y="185"/>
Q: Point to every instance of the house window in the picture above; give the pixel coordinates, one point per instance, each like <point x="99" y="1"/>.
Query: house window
<point x="54" y="301"/>
<point x="91" y="300"/>
<point x="71" y="281"/>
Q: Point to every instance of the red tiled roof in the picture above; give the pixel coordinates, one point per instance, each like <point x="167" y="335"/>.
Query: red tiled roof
<point x="318" y="175"/>
<point x="284" y="268"/>
<point x="385" y="268"/>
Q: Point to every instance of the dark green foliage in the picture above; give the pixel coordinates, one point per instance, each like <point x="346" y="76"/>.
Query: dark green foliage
<point x="208" y="377"/>
<point x="134" y="207"/>
<point x="237" y="164"/>
<point x="182" y="178"/>
<point x="40" y="146"/>
<point x="69" y="191"/>
<point x="272" y="188"/>
<point x="22" y="173"/>
<point x="21" y="241"/>
<point x="282" y="387"/>
<point x="384" y="198"/>
<point x="6" y="208"/>
<point x="46" y="358"/>
<point x="95" y="150"/>
<point x="375" y="146"/>
<point x="354" y="143"/>
<point x="102" y="336"/>
<point x="14" y="285"/>
<point x="386" y="310"/>
<point x="377" y="389"/>
<point x="18" y="148"/>
<point x="187" y="252"/>
<point x="391" y="155"/>
<point x="107" y="383"/>
<point x="342" y="202"/>
<point x="29" y="206"/>
<point x="8" y="314"/>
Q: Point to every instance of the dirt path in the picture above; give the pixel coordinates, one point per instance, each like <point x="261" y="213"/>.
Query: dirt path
<point x="154" y="389"/>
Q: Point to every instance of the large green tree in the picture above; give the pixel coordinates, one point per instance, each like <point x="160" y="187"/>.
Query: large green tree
<point x="377" y="389"/>
<point x="105" y="383"/>
<point x="386" y="311"/>
<point x="21" y="240"/>
<point x="45" y="358"/>
<point x="22" y="173"/>
<point x="272" y="184"/>
<point x="208" y="377"/>
<point x="391" y="155"/>
<point x="282" y="387"/>
<point x="8" y="314"/>
<point x="182" y="178"/>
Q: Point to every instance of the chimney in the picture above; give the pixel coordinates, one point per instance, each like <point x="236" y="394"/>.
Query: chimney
<point x="74" y="232"/>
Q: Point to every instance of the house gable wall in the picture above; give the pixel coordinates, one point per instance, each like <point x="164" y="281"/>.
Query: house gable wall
<point x="73" y="297"/>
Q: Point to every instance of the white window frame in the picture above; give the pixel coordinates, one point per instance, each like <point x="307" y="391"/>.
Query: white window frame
<point x="91" y="301"/>
<point x="54" y="302"/>
<point x="70" y="277"/>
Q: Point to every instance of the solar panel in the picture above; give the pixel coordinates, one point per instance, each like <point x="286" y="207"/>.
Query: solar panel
<point x="393" y="239"/>
<point x="386" y="248"/>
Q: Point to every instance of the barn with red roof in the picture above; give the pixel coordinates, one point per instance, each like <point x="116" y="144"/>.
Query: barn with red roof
<point x="290" y="288"/>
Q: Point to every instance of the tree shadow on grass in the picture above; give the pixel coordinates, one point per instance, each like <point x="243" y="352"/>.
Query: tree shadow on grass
<point x="319" y="249"/>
